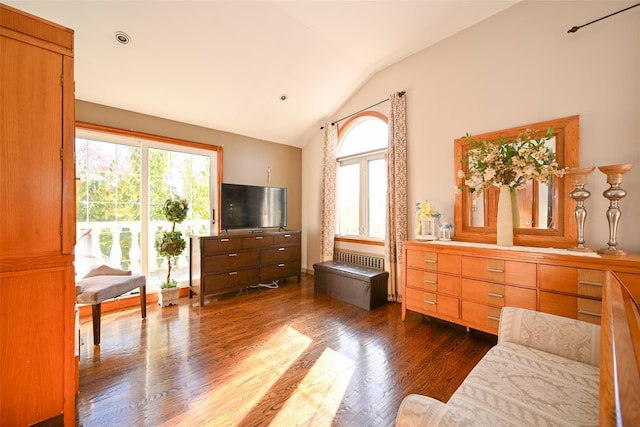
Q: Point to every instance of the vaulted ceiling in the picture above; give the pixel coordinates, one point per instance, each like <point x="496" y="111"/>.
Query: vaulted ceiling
<point x="226" y="64"/>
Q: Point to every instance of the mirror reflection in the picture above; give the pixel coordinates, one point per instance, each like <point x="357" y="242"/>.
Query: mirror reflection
<point x="544" y="210"/>
<point x="536" y="203"/>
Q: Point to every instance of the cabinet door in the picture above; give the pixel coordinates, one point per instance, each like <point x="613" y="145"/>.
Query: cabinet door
<point x="37" y="310"/>
<point x="30" y="162"/>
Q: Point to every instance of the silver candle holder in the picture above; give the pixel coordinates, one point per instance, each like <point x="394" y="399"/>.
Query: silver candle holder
<point x="614" y="193"/>
<point x="580" y="194"/>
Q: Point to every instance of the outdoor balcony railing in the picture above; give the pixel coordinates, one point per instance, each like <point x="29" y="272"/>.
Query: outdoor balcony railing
<point x="119" y="244"/>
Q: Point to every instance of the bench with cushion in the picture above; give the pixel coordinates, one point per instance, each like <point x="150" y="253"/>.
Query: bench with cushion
<point x="103" y="283"/>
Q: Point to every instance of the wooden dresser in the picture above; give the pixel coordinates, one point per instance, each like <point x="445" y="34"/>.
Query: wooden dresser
<point x="468" y="283"/>
<point x="227" y="263"/>
<point x="38" y="375"/>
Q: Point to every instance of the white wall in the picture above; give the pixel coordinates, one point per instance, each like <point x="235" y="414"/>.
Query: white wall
<point x="518" y="67"/>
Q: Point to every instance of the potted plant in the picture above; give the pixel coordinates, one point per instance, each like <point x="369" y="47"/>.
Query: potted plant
<point x="509" y="163"/>
<point x="170" y="245"/>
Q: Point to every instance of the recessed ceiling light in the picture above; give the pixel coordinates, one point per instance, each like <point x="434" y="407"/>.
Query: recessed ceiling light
<point x="283" y="97"/>
<point x="122" y="37"/>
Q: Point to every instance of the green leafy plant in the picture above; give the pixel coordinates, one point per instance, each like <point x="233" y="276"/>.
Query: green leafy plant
<point x="171" y="244"/>
<point x="510" y="162"/>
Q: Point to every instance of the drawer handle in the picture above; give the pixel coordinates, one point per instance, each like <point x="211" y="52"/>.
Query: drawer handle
<point x="224" y="240"/>
<point x="495" y="270"/>
<point x="286" y="236"/>
<point x="281" y="249"/>
<point x="280" y="265"/>
<point x="233" y="255"/>
<point x="258" y="237"/>
<point x="586" y="282"/>
<point x="431" y="282"/>
<point x="497" y="319"/>
<point x="431" y="261"/>
<point x="491" y="294"/>
<point x="429" y="302"/>
<point x="233" y="273"/>
<point x="590" y="313"/>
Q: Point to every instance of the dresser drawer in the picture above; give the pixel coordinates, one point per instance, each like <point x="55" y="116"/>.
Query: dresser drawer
<point x="482" y="316"/>
<point x="283" y="253"/>
<point x="434" y="282"/>
<point x="279" y="271"/>
<point x="257" y="242"/>
<point x="580" y="281"/>
<point x="422" y="259"/>
<point x="498" y="295"/>
<point x="224" y="244"/>
<point x="585" y="309"/>
<point x="432" y="261"/>
<point x="429" y="302"/>
<point x="286" y="239"/>
<point x="229" y="262"/>
<point x="499" y="270"/>
<point x="217" y="283"/>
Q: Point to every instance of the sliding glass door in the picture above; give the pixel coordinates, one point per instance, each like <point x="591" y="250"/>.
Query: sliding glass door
<point x="122" y="185"/>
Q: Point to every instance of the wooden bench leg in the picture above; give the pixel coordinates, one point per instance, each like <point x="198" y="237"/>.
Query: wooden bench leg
<point x="143" y="301"/>
<point x="96" y="309"/>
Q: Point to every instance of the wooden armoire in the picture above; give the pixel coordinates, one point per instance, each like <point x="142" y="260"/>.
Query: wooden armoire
<point x="38" y="367"/>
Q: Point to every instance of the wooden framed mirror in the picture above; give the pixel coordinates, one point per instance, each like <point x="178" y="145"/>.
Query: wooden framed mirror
<point x="546" y="211"/>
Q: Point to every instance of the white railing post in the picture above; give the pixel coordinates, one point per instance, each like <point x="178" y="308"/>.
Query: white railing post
<point x="115" y="257"/>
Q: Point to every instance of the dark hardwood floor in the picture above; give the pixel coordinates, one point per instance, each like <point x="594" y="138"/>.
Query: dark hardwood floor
<point x="280" y="357"/>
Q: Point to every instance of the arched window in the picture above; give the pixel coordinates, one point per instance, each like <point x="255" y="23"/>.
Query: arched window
<point x="361" y="194"/>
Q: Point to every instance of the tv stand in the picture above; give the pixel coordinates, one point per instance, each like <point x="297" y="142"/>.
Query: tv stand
<point x="229" y="263"/>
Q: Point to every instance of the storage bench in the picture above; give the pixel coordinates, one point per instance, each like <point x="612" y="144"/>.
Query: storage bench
<point x="361" y="286"/>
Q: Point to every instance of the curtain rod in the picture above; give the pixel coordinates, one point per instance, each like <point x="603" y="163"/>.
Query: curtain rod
<point x="364" y="109"/>
<point x="576" y="28"/>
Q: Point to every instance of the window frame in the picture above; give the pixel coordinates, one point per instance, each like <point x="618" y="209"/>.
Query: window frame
<point x="363" y="159"/>
<point x="147" y="142"/>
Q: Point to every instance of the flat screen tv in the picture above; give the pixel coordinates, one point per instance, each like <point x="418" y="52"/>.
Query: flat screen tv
<point x="250" y="206"/>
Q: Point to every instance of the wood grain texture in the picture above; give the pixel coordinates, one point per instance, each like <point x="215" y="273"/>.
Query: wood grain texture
<point x="29" y="148"/>
<point x="268" y="357"/>
<point x="37" y="227"/>
<point x="31" y="378"/>
<point x="619" y="356"/>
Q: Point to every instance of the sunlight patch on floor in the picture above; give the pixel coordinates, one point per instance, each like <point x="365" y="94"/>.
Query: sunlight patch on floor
<point x="240" y="390"/>
<point x="317" y="398"/>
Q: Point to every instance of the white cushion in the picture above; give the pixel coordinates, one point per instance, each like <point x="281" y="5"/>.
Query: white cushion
<point x="515" y="385"/>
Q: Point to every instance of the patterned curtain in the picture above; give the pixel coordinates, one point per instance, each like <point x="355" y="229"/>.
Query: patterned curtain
<point x="329" y="190"/>
<point x="396" y="194"/>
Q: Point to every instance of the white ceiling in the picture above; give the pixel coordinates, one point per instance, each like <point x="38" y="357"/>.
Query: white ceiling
<point x="225" y="64"/>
